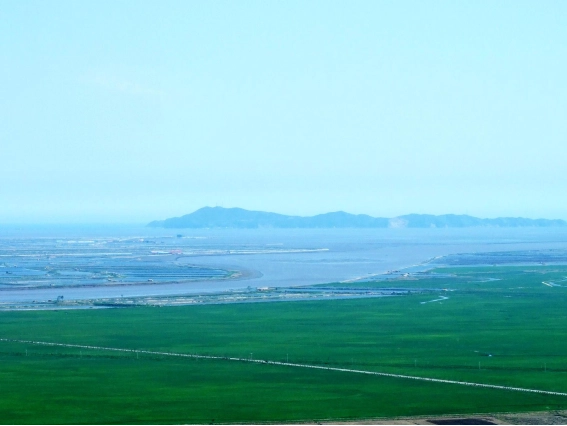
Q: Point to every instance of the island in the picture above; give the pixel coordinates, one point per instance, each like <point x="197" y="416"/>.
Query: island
<point x="220" y="217"/>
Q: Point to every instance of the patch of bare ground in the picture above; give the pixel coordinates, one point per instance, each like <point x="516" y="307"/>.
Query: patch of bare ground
<point x="555" y="418"/>
<point x="432" y="421"/>
<point x="536" y="418"/>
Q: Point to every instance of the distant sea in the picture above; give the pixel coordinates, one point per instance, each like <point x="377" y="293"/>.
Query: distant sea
<point x="285" y="257"/>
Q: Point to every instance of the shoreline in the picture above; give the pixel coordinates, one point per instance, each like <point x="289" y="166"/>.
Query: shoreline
<point x="315" y="292"/>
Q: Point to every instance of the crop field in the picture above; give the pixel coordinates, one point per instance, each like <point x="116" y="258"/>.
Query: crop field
<point x="504" y="326"/>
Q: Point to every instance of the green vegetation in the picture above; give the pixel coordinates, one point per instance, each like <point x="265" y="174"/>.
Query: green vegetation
<point x="501" y="319"/>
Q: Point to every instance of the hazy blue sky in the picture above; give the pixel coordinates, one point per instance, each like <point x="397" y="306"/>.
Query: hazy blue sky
<point x="133" y="110"/>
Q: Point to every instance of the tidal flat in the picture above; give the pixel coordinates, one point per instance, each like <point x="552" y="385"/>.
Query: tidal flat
<point x="40" y="266"/>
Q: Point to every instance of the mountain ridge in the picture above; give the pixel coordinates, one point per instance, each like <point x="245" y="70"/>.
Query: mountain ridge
<point x="235" y="217"/>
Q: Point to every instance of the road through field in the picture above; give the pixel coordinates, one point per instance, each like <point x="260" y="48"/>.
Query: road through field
<point x="286" y="364"/>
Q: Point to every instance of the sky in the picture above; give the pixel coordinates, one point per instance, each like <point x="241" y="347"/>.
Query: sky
<point x="130" y="111"/>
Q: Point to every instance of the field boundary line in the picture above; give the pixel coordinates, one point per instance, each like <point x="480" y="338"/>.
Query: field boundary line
<point x="288" y="364"/>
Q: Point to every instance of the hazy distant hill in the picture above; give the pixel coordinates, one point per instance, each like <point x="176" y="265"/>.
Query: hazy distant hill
<point x="219" y="217"/>
<point x="464" y="221"/>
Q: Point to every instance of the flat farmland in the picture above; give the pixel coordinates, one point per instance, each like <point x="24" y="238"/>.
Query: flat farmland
<point x="505" y="326"/>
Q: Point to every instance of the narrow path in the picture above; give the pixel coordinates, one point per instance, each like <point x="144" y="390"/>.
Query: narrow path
<point x="288" y="364"/>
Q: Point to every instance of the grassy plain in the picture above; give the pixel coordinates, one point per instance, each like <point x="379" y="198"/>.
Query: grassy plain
<point x="499" y="325"/>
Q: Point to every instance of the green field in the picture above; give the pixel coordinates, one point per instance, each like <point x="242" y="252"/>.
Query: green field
<point x="498" y="326"/>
